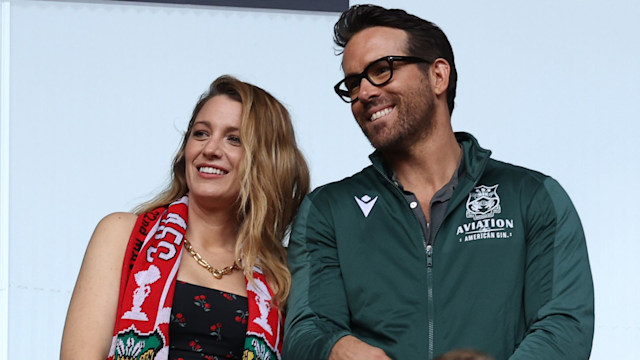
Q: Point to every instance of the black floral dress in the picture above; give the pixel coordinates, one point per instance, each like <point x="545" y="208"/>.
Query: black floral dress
<point x="206" y="324"/>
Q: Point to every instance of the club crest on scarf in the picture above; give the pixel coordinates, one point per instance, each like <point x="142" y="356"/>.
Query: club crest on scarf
<point x="131" y="346"/>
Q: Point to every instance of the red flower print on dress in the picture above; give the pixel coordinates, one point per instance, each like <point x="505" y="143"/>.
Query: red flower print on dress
<point x="242" y="316"/>
<point x="228" y="296"/>
<point x="179" y="319"/>
<point x="195" y="346"/>
<point x="216" y="331"/>
<point x="200" y="300"/>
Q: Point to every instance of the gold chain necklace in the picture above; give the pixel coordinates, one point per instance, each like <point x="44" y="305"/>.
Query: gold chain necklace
<point x="217" y="273"/>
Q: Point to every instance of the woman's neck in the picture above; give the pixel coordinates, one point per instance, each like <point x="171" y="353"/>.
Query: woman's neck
<point x="213" y="227"/>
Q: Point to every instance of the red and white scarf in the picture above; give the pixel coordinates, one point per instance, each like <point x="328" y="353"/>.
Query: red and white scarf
<point x="146" y="293"/>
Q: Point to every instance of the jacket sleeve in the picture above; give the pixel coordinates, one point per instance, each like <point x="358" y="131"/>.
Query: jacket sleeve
<point x="317" y="314"/>
<point x="558" y="290"/>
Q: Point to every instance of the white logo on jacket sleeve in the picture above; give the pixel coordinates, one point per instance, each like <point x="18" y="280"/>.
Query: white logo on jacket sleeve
<point x="366" y="204"/>
<point x="483" y="202"/>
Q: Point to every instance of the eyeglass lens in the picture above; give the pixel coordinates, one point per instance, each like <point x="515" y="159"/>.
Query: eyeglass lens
<point x="377" y="73"/>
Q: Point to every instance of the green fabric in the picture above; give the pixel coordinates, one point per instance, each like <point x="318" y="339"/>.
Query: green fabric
<point x="521" y="289"/>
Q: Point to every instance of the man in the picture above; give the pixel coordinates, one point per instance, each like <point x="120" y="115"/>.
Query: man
<point x="436" y="246"/>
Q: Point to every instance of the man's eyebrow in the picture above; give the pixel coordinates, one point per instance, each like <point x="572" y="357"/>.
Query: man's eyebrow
<point x="352" y="74"/>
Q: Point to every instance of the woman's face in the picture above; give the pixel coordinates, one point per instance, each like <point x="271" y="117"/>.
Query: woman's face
<point x="213" y="151"/>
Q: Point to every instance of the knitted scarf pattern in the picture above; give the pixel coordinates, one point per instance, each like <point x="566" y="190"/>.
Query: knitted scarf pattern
<point x="147" y="286"/>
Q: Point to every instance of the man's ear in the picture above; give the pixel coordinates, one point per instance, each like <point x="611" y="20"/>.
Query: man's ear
<point x="439" y="72"/>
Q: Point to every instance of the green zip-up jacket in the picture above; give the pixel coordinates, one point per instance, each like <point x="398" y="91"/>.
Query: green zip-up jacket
<point x="507" y="273"/>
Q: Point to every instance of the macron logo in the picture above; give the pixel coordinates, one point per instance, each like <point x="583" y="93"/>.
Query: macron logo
<point x="366" y="204"/>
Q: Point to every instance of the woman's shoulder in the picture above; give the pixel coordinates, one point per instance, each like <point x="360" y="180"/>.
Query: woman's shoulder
<point x="95" y="297"/>
<point x="114" y="229"/>
<point x="119" y="219"/>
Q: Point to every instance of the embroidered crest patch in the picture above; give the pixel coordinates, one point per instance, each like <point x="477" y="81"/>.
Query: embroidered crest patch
<point x="482" y="206"/>
<point x="483" y="202"/>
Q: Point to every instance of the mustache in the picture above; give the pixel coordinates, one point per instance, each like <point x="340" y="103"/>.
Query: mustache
<point x="373" y="103"/>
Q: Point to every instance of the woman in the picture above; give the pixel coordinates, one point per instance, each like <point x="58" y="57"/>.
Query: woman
<point x="200" y="269"/>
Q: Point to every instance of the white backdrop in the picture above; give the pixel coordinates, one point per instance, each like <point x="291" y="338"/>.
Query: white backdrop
<point x="95" y="96"/>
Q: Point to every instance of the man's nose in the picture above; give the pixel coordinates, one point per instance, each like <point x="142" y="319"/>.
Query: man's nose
<point x="367" y="90"/>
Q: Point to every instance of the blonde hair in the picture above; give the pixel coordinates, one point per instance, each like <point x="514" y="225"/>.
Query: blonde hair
<point x="274" y="178"/>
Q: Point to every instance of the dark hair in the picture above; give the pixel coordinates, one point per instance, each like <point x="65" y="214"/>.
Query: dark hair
<point x="426" y="40"/>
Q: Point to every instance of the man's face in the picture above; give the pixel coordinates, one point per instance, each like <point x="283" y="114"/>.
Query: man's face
<point x="396" y="115"/>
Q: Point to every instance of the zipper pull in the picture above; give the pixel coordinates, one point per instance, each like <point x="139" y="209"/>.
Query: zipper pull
<point x="429" y="255"/>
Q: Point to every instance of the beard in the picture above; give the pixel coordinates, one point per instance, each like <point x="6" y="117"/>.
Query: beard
<point x="413" y="121"/>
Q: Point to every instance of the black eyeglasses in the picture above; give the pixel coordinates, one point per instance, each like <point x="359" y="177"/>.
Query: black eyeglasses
<point x="378" y="73"/>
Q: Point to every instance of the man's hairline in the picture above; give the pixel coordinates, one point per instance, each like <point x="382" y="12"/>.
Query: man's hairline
<point x="406" y="45"/>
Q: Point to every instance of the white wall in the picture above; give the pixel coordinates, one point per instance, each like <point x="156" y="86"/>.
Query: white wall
<point x="97" y="94"/>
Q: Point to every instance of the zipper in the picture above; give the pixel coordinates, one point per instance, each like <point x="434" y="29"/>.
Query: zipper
<point x="428" y="247"/>
<point x="453" y="203"/>
<point x="430" y="312"/>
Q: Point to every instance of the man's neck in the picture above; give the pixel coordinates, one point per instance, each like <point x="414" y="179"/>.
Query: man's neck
<point x="432" y="160"/>
<point x="425" y="167"/>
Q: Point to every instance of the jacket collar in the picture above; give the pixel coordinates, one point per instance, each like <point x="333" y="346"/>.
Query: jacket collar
<point x="475" y="157"/>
